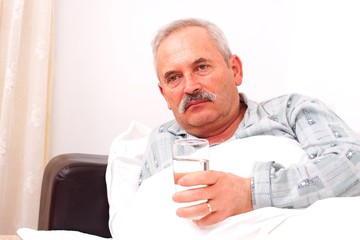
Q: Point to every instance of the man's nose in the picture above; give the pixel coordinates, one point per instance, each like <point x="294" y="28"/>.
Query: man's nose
<point x="192" y="84"/>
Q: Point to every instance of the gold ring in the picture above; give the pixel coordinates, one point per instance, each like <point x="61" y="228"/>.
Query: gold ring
<point x="209" y="207"/>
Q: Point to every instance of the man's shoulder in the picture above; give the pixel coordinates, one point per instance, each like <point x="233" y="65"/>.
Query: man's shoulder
<point x="279" y="103"/>
<point x="287" y="99"/>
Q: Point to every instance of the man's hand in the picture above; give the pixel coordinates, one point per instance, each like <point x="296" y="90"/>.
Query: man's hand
<point x="227" y="194"/>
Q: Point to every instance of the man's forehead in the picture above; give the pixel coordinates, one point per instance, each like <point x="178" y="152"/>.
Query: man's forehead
<point x="185" y="48"/>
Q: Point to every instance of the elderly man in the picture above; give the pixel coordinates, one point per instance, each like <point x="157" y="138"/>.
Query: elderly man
<point x="199" y="78"/>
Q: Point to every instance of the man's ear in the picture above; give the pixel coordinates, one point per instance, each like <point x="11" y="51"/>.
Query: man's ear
<point x="164" y="94"/>
<point x="236" y="67"/>
<point x="161" y="90"/>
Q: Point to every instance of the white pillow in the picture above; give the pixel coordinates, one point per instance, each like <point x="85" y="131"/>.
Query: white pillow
<point x="150" y="212"/>
<point x="122" y="173"/>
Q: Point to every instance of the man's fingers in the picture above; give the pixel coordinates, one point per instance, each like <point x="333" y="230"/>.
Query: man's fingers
<point x="198" y="178"/>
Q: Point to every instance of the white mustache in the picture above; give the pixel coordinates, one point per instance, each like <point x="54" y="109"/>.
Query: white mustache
<point x="196" y="96"/>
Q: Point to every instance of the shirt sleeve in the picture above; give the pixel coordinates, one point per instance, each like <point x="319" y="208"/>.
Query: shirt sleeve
<point x="332" y="168"/>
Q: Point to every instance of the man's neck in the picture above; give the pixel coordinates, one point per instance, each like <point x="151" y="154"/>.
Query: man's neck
<point x="230" y="129"/>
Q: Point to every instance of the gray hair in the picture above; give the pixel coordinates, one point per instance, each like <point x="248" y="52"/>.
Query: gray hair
<point x="215" y="32"/>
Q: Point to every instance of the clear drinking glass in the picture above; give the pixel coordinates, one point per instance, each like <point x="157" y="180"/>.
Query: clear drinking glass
<point x="189" y="155"/>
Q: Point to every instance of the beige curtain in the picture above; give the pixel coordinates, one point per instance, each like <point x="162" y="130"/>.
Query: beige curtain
<point x="26" y="59"/>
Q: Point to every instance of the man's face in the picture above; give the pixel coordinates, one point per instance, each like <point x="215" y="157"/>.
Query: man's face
<point x="189" y="64"/>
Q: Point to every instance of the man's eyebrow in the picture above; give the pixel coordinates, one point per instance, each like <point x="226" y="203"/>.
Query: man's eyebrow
<point x="200" y="60"/>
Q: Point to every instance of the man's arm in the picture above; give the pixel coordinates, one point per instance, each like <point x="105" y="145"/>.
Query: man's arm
<point x="332" y="169"/>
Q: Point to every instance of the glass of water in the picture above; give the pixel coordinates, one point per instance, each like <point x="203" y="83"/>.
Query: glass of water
<point x="189" y="155"/>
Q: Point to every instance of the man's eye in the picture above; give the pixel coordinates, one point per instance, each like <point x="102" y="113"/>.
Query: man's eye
<point x="203" y="67"/>
<point x="172" y="78"/>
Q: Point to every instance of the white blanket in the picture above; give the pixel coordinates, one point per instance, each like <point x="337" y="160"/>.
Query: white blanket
<point x="153" y="215"/>
<point x="149" y="212"/>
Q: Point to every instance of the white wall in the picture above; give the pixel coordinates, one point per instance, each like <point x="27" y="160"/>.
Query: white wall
<point x="104" y="74"/>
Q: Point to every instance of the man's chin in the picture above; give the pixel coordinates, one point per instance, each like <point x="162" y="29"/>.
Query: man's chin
<point x="199" y="121"/>
<point x="194" y="117"/>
